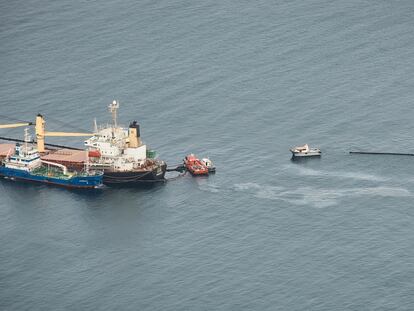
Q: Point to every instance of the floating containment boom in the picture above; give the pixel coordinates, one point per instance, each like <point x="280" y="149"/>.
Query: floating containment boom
<point x="382" y="153"/>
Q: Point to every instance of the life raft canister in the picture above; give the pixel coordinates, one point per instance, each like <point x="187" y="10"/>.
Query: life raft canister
<point x="94" y="154"/>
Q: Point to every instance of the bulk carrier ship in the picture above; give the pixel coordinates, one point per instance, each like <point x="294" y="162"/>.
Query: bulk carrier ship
<point x="120" y="153"/>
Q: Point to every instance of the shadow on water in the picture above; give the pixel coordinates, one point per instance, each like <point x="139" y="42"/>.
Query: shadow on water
<point x="17" y="188"/>
<point x="137" y="186"/>
<point x="302" y="160"/>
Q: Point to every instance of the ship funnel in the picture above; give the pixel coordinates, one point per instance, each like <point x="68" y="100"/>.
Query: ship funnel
<point x="134" y="135"/>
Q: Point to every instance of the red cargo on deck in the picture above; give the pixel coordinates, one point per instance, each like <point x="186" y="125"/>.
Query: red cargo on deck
<point x="6" y="149"/>
<point x="72" y="159"/>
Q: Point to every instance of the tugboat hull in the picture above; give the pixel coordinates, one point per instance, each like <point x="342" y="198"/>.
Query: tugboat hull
<point x="306" y="155"/>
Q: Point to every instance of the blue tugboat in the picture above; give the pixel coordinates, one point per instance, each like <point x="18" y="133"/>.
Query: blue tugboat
<point x="26" y="165"/>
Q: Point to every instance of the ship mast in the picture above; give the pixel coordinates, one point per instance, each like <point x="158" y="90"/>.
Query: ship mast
<point x="113" y="108"/>
<point x="95" y="126"/>
<point x="26" y="139"/>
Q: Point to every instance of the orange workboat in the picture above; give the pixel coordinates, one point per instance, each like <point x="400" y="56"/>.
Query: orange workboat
<point x="195" y="166"/>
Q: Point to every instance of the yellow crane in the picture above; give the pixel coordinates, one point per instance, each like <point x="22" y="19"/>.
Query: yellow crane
<point x="41" y="133"/>
<point x="13" y="125"/>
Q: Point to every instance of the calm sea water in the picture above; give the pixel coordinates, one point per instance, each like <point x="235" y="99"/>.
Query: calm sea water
<point x="241" y="82"/>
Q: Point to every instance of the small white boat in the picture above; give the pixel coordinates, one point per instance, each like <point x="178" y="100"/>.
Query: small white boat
<point x="305" y="151"/>
<point x="209" y="164"/>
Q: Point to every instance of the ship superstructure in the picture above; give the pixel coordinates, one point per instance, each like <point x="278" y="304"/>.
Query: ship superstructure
<point x="122" y="155"/>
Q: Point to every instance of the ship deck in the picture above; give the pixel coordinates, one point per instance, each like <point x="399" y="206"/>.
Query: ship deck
<point x="66" y="156"/>
<point x="6" y="149"/>
<point x="50" y="172"/>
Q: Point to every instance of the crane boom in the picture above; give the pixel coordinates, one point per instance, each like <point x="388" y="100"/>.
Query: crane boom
<point x="66" y="134"/>
<point x="9" y="126"/>
<point x="41" y="133"/>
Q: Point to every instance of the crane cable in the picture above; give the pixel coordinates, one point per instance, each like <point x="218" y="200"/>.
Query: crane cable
<point x="79" y="129"/>
<point x="48" y="118"/>
<point x="14" y="119"/>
